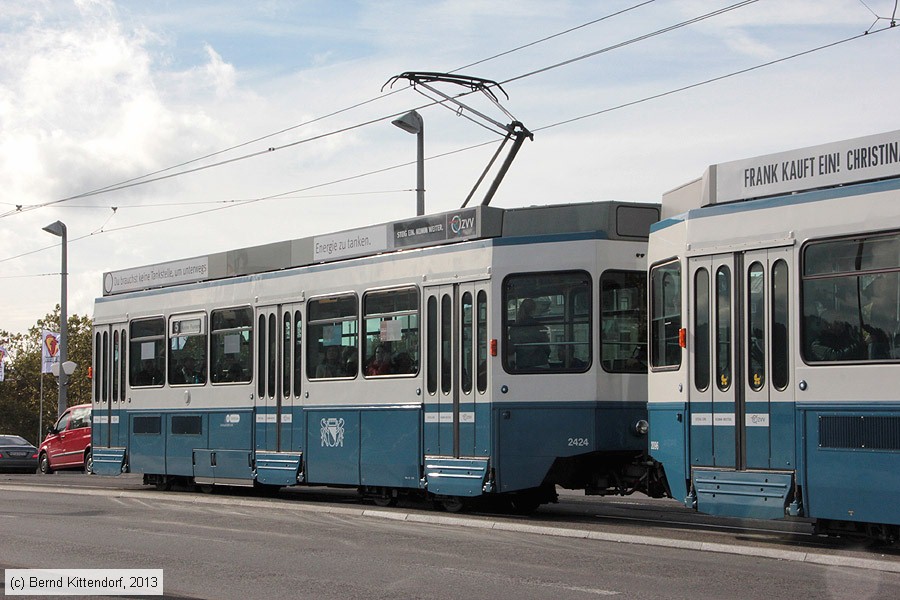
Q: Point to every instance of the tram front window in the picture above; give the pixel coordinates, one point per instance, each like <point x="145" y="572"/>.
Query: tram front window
<point x="665" y="315"/>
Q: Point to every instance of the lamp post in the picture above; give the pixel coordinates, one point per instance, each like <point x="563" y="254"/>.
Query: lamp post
<point x="412" y="122"/>
<point x="58" y="228"/>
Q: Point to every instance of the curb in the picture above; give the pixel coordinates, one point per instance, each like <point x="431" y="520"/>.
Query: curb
<point x="789" y="555"/>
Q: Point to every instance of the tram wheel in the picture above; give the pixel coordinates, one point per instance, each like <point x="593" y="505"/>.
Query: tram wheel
<point x="384" y="501"/>
<point x="524" y="505"/>
<point x="452" y="504"/>
<point x="163" y="484"/>
<point x="206" y="488"/>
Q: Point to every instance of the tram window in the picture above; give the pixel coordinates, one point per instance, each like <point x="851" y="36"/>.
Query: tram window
<point x="481" y="341"/>
<point x="432" y="339"/>
<point x="701" y="329"/>
<point x="148" y="352"/>
<point x="187" y="349"/>
<point x="286" y="355"/>
<point x="122" y="370"/>
<point x="851" y="300"/>
<point x="115" y="365"/>
<point x="231" y="345"/>
<point x="446" y="343"/>
<point x="298" y="339"/>
<point x="261" y="357"/>
<point x="665" y="315"/>
<point x="149" y="425"/>
<point x="723" y="328"/>
<point x="391" y="340"/>
<point x="332" y="337"/>
<point x="756" y="326"/>
<point x="547" y="322"/>
<point x="467" y="340"/>
<point x="104" y="359"/>
<point x="780" y="346"/>
<point x="623" y="324"/>
<point x="273" y="344"/>
<point x="98" y="366"/>
<point x="187" y="425"/>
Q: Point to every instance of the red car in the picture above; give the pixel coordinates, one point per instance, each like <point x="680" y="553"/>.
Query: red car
<point x="68" y="444"/>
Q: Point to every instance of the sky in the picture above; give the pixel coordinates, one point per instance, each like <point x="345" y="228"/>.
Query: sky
<point x="100" y="93"/>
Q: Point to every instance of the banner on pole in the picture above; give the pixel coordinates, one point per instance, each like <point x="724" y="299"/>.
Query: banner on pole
<point x="2" y="359"/>
<point x="49" y="350"/>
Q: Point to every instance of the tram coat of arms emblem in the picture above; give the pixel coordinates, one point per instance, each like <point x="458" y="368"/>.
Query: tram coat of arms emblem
<point x="332" y="432"/>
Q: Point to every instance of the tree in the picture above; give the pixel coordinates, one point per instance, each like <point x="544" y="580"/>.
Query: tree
<point x="20" y="391"/>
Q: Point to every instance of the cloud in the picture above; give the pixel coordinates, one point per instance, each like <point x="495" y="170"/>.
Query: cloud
<point x="82" y="108"/>
<point x="94" y="92"/>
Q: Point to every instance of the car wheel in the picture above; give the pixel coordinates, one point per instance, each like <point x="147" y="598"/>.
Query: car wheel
<point x="89" y="463"/>
<point x="44" y="464"/>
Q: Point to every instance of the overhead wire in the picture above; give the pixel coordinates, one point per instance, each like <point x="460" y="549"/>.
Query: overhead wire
<point x="150" y="177"/>
<point x="144" y="181"/>
<point x="482" y="144"/>
<point x="555" y="35"/>
<point x="635" y="40"/>
<point x="474" y="146"/>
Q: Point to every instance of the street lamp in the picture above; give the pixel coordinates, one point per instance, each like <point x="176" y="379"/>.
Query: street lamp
<point x="59" y="229"/>
<point x="412" y="122"/>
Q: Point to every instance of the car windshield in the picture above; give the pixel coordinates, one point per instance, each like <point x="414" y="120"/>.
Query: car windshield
<point x="12" y="440"/>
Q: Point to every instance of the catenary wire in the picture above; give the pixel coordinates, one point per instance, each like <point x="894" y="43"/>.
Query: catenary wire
<point x="545" y="127"/>
<point x="487" y="143"/>
<point x="135" y="180"/>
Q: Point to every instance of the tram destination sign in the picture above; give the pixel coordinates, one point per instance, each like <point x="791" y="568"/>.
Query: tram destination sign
<point x="837" y="163"/>
<point x="158" y="275"/>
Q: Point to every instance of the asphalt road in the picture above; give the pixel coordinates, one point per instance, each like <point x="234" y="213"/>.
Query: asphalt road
<point x="323" y="544"/>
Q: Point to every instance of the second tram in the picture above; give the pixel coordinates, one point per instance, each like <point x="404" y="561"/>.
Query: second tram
<point x="775" y="337"/>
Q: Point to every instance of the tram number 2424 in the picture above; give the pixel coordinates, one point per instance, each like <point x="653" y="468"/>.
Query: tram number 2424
<point x="579" y="442"/>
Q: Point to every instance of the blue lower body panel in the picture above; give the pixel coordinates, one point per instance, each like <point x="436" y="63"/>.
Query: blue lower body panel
<point x="852" y="463"/>
<point x="668" y="435"/>
<point x="532" y="437"/>
<point x="377" y="447"/>
<point x="748" y="494"/>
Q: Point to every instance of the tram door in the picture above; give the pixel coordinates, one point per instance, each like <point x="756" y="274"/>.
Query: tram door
<point x="767" y="411"/>
<point x="740" y="360"/>
<point x="109" y="374"/>
<point x="278" y="342"/>
<point x="713" y="398"/>
<point x="451" y="369"/>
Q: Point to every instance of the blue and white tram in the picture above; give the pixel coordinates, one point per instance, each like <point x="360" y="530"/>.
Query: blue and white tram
<point x="479" y="352"/>
<point x="774" y="349"/>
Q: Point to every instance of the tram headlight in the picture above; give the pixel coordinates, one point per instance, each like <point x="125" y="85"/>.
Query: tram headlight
<point x="640" y="428"/>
